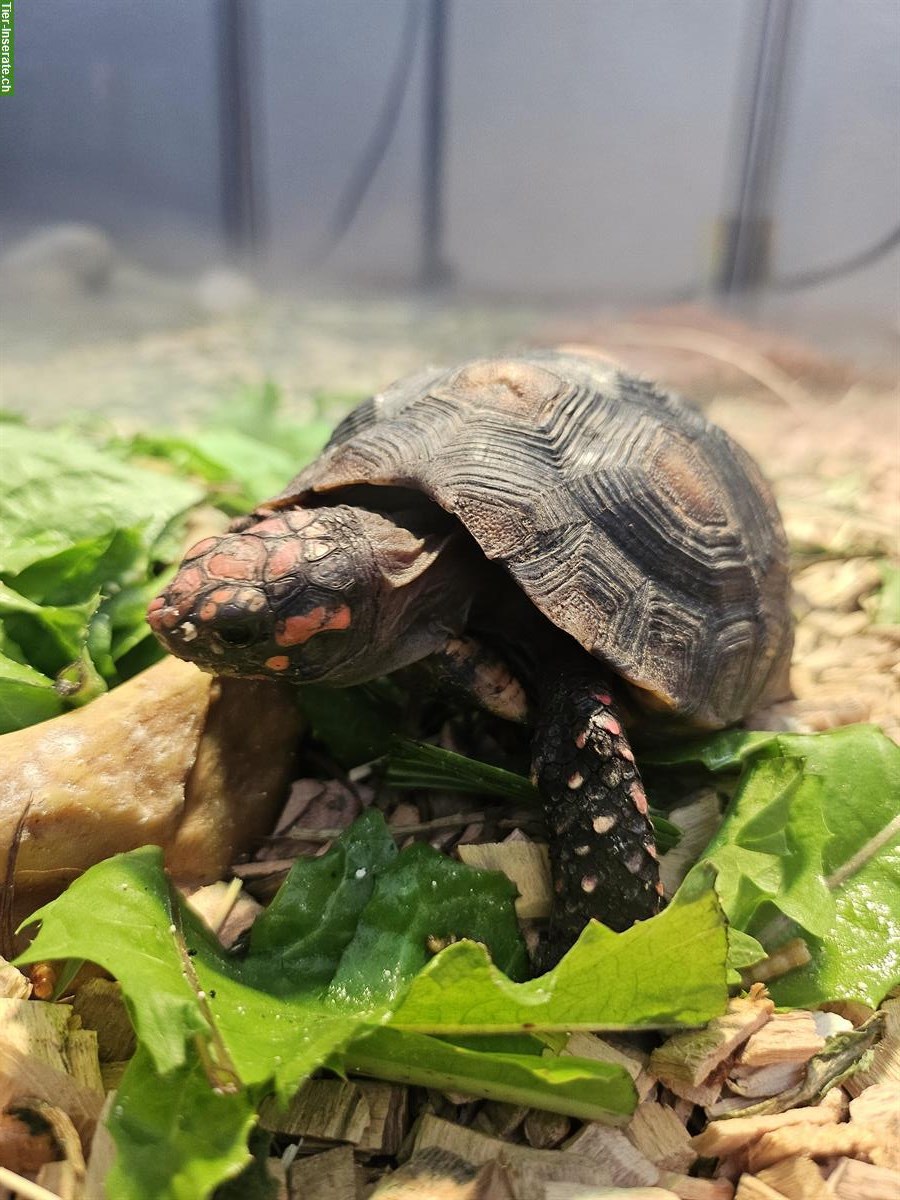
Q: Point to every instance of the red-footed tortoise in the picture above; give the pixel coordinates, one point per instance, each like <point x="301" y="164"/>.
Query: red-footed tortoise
<point x="649" y="558"/>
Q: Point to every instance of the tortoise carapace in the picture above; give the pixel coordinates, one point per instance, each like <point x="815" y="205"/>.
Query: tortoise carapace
<point x="570" y="544"/>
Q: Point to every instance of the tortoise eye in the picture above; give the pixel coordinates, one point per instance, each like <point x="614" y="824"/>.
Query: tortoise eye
<point x="238" y="635"/>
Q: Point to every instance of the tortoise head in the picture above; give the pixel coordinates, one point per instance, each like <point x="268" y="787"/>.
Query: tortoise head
<point x="334" y="595"/>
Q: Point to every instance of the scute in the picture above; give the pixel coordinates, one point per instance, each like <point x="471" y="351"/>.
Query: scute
<point x="632" y="522"/>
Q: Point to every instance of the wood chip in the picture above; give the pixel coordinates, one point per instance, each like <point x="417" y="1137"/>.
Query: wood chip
<point x="687" y="1059"/>
<point x="101" y="1157"/>
<point x="277" y="1173"/>
<point x="878" y="1107"/>
<point x="698" y="821"/>
<point x="526" y="863"/>
<point x="765" y="1081"/>
<point x="528" y="1170"/>
<point x="81" y="1056"/>
<point x="721" y="1138"/>
<point x="688" y="1188"/>
<point x="333" y="1175"/>
<point x="635" y="1062"/>
<point x="13" y="984"/>
<point x="815" y="1140"/>
<point x="786" y="1037"/>
<point x="499" y="1119"/>
<point x="111" y="1074"/>
<point x="434" y="1174"/>
<point x="99" y="1005"/>
<point x="797" y="1178"/>
<point x="794" y="953"/>
<point x="36" y="1027"/>
<point x="852" y="1180"/>
<point x="34" y="1068"/>
<point x="661" y="1137"/>
<point x="62" y="1180"/>
<point x="750" y="1187"/>
<point x="545" y="1130"/>
<point x="21" y="1148"/>
<point x="885" y="1065"/>
<point x="329" y="1110"/>
<point x="575" y="1191"/>
<point x="388" y="1107"/>
<point x="229" y="912"/>
<point x="627" y="1164"/>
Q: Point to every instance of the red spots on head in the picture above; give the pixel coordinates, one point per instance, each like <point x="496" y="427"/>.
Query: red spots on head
<point x="250" y="599"/>
<point x="278" y="662"/>
<point x="283" y="523"/>
<point x="238" y="558"/>
<point x="294" y="631"/>
<point x="209" y="609"/>
<point x="187" y="582"/>
<point x="202" y="547"/>
<point x="160" y="616"/>
<point x="230" y="566"/>
<point x="639" y="796"/>
<point x="285" y="559"/>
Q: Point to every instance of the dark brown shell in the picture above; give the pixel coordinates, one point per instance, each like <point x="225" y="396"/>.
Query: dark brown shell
<point x="630" y="521"/>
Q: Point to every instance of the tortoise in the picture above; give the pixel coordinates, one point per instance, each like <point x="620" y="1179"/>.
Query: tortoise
<point x="568" y="543"/>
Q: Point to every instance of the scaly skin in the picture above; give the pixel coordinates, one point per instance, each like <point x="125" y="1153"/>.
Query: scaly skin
<point x="602" y="849"/>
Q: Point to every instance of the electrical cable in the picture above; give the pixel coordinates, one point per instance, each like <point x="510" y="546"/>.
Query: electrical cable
<point x="350" y="201"/>
<point x="846" y="266"/>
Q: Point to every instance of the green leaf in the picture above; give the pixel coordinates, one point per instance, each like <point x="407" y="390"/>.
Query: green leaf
<point x="264" y="1022"/>
<point x="593" y="1091"/>
<point x="26" y="696"/>
<point x="810" y="846"/>
<point x="240" y="469"/>
<point x="344" y="942"/>
<point x="101" y="564"/>
<point x="80" y="532"/>
<point x="54" y="635"/>
<point x="412" y="764"/>
<point x="669" y="970"/>
<point x="177" y="1136"/>
<point x="357" y="724"/>
<point x="59" y="491"/>
<point x="417" y="764"/>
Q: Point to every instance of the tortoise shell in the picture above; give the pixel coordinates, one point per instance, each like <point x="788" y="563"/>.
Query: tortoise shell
<point x="631" y="521"/>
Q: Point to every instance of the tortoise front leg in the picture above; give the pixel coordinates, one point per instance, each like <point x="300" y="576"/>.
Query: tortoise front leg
<point x="602" y="850"/>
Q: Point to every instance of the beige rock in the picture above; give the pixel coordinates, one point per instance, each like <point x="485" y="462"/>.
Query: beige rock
<point x="173" y="757"/>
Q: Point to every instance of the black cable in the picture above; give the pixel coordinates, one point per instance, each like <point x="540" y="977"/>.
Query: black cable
<point x="350" y="201"/>
<point x="817" y="275"/>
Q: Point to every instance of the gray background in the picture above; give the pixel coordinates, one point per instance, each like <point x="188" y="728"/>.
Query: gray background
<point x="589" y="142"/>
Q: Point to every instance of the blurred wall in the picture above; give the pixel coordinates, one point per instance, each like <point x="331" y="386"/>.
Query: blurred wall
<point x="589" y="142"/>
